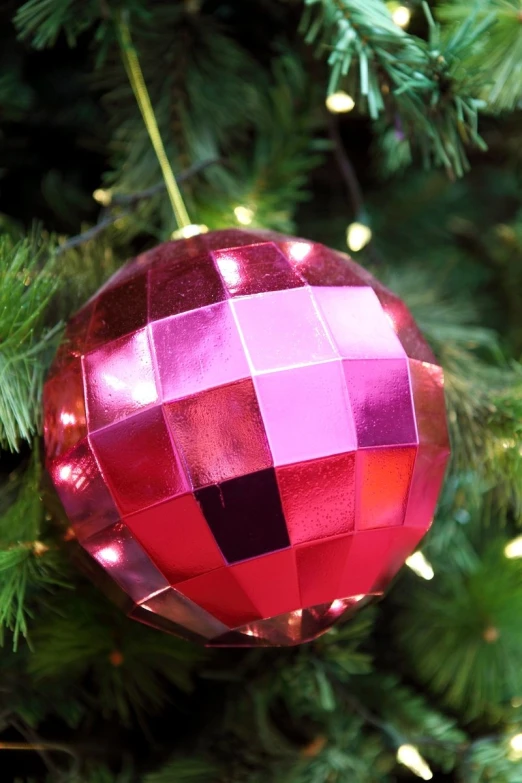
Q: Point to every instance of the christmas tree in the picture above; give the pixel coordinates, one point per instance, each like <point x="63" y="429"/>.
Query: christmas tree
<point x="389" y="131"/>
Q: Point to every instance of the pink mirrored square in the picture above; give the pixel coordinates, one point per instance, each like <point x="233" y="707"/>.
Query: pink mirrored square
<point x="220" y="433"/>
<point x="220" y="594"/>
<point x="72" y="346"/>
<point x="65" y="422"/>
<point x="189" y="284"/>
<point x="306" y="412"/>
<point x="381" y="401"/>
<point x="401" y="544"/>
<point x="254" y="269"/>
<point x="358" y="325"/>
<point x="319" y="265"/>
<point x="320" y="566"/>
<point x="126" y="562"/>
<point x="177" y="538"/>
<point x="82" y="490"/>
<point x="119" y="379"/>
<point x="139" y="462"/>
<point x="366" y="561"/>
<point x="270" y="581"/>
<point x="427" y="385"/>
<point x="128" y="302"/>
<point x="427" y="480"/>
<point x="216" y="354"/>
<point x="383" y="478"/>
<point x="318" y="497"/>
<point x="282" y="329"/>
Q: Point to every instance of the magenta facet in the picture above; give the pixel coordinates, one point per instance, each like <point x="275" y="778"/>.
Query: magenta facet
<point x="248" y="434"/>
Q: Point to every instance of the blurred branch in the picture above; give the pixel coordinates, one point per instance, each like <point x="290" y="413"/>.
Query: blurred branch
<point x="130" y="202"/>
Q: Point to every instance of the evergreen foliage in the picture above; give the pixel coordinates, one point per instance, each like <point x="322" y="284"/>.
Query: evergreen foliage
<point x="239" y="90"/>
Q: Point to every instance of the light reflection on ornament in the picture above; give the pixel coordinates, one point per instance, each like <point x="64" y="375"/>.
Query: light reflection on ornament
<point x="298" y="251"/>
<point x="67" y="418"/>
<point x="65" y="472"/>
<point x="109" y="555"/>
<point x="115" y="383"/>
<point x="144" y="393"/>
<point x="231" y="271"/>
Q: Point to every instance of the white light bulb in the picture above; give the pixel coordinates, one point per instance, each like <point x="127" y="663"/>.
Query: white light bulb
<point x="339" y="102"/>
<point x="409" y="756"/>
<point x="401" y="16"/>
<point x="420" y="566"/>
<point x="357" y="236"/>
<point x="244" y="215"/>
<point x="514" y="548"/>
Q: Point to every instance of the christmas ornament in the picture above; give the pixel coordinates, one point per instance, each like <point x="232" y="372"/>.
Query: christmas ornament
<point x="248" y="434"/>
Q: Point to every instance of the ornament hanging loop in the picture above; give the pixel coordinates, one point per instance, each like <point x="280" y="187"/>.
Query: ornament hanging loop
<point x="133" y="68"/>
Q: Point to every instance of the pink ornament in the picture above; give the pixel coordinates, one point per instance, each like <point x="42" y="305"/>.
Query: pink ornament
<point x="248" y="434"/>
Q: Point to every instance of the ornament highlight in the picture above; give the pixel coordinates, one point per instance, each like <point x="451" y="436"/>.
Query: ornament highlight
<point x="248" y="434"/>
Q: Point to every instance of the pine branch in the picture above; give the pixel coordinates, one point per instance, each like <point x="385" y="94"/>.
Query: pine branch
<point x="391" y="72"/>
<point x="129" y="202"/>
<point x="128" y="664"/>
<point x="28" y="281"/>
<point x="41" y="21"/>
<point x="186" y="770"/>
<point x="461" y="637"/>
<point x="498" y="53"/>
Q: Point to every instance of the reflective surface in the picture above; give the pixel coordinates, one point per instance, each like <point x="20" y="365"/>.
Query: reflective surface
<point x="248" y="434"/>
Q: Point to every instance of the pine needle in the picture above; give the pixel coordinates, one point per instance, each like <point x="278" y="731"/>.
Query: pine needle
<point x="27" y="284"/>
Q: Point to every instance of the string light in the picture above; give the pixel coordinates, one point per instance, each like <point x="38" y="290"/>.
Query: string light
<point x="409" y="756"/>
<point x="357" y="236"/>
<point x="339" y="102"/>
<point x="244" y="215"/>
<point x="103" y="197"/>
<point x="192" y="230"/>
<point x="515" y="744"/>
<point x="514" y="548"/>
<point x="420" y="566"/>
<point x="401" y="14"/>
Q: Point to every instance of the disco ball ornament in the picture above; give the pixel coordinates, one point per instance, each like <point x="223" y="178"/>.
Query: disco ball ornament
<point x="248" y="434"/>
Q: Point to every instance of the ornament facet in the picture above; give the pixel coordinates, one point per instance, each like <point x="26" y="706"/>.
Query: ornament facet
<point x="248" y="434"/>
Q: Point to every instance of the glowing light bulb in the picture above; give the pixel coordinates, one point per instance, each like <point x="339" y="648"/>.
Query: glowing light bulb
<point x="191" y="230"/>
<point x="515" y="744"/>
<point x="514" y="548"/>
<point x="103" y="197"/>
<point x="244" y="215"/>
<point x="401" y="15"/>
<point x="409" y="756"/>
<point x="420" y="566"/>
<point x="357" y="236"/>
<point x="339" y="102"/>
